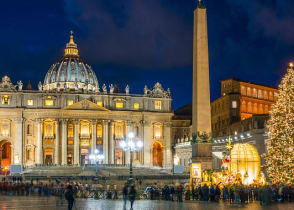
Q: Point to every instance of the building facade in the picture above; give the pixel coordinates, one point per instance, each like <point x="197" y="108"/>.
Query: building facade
<point x="241" y="113"/>
<point x="69" y="116"/>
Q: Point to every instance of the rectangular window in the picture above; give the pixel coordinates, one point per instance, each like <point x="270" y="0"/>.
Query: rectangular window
<point x="157" y="105"/>
<point x="100" y="103"/>
<point x="234" y="104"/>
<point x="49" y="103"/>
<point x="119" y="105"/>
<point x="5" y="100"/>
<point x="136" y="106"/>
<point x="30" y="102"/>
<point x="70" y="102"/>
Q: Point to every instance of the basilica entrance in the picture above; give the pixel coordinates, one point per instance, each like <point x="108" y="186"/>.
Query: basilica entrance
<point x="84" y="156"/>
<point x="5" y="155"/>
<point x="157" y="154"/>
<point x="48" y="156"/>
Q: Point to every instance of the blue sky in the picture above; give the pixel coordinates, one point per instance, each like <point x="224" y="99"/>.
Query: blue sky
<point x="140" y="42"/>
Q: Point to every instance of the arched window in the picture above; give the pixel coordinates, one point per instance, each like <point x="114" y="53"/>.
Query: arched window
<point x="243" y="91"/>
<point x="254" y="93"/>
<point x="243" y="106"/>
<point x="249" y="91"/>
<point x="255" y="108"/>
<point x="249" y="107"/>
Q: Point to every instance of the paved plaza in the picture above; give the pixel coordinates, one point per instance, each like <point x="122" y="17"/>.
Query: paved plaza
<point x="34" y="202"/>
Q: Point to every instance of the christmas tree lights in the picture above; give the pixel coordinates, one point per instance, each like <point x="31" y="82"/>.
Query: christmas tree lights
<point x="279" y="158"/>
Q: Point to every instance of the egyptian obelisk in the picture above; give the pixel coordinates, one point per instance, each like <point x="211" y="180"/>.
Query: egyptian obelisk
<point x="201" y="116"/>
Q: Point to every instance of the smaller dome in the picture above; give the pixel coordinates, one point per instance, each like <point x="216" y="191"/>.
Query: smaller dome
<point x="71" y="73"/>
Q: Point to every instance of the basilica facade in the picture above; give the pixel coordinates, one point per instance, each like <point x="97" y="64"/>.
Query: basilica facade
<point x="70" y="116"/>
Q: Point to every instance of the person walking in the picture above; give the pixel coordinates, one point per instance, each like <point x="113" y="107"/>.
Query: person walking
<point x="125" y="193"/>
<point x="69" y="196"/>
<point x="132" y="195"/>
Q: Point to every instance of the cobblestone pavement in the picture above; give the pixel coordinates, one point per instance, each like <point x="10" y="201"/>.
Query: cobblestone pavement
<point x="48" y="204"/>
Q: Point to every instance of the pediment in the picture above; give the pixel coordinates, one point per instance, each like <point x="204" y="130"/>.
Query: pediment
<point x="85" y="105"/>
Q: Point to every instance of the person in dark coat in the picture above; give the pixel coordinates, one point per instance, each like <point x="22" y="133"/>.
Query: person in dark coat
<point x="132" y="195"/>
<point x="125" y="193"/>
<point x="69" y="196"/>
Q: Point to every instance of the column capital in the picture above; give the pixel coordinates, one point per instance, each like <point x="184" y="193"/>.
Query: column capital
<point x="63" y="120"/>
<point x="39" y="120"/>
<point x="18" y="120"/>
<point x="94" y="122"/>
<point x="167" y="124"/>
<point x="145" y="122"/>
<point x="76" y="121"/>
<point x="129" y="122"/>
<point x="105" y="121"/>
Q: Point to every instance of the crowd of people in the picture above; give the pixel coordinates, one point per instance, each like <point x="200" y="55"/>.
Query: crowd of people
<point x="230" y="193"/>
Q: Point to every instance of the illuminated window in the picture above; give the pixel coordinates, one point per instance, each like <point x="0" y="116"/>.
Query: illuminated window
<point x="234" y="104"/>
<point x="119" y="105"/>
<point x="119" y="130"/>
<point x="49" y="130"/>
<point x="5" y="100"/>
<point x="4" y="130"/>
<point x="85" y="129"/>
<point x="136" y="106"/>
<point x="30" y="102"/>
<point x="70" y="131"/>
<point x="157" y="105"/>
<point x="157" y="131"/>
<point x="99" y="131"/>
<point x="49" y="102"/>
<point x="70" y="102"/>
<point x="100" y="103"/>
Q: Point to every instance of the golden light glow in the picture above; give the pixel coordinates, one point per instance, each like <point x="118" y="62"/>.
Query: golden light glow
<point x="100" y="103"/>
<point x="5" y="100"/>
<point x="4" y="128"/>
<point x="157" y="105"/>
<point x="71" y="47"/>
<point x="157" y="130"/>
<point x="48" y="127"/>
<point x="85" y="129"/>
<point x="291" y="65"/>
<point x="136" y="106"/>
<point x="70" y="131"/>
<point x="119" y="105"/>
<point x="99" y="131"/>
<point x="30" y="102"/>
<point x="49" y="102"/>
<point x="70" y="102"/>
<point x="119" y="130"/>
<point x="245" y="161"/>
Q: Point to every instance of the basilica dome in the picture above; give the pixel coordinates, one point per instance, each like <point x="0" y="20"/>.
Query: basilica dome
<point x="70" y="73"/>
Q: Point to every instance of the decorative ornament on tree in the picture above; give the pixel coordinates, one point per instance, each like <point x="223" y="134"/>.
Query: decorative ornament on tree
<point x="279" y="159"/>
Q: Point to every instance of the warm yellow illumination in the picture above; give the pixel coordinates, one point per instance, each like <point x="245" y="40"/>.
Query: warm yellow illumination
<point x="157" y="105"/>
<point x="70" y="131"/>
<point x="158" y="131"/>
<point x="30" y="102"/>
<point x="291" y="65"/>
<point x="99" y="131"/>
<point x="119" y="105"/>
<point x="71" y="47"/>
<point x="85" y="129"/>
<point x="245" y="161"/>
<point x="5" y="100"/>
<point x="70" y="102"/>
<point x="4" y="130"/>
<point x="100" y="103"/>
<point x="136" y="106"/>
<point x="49" y="102"/>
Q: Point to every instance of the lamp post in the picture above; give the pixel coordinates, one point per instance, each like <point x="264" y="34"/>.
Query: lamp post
<point x="96" y="157"/>
<point x="131" y="145"/>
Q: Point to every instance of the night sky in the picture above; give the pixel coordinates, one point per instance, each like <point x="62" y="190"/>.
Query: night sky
<point x="140" y="42"/>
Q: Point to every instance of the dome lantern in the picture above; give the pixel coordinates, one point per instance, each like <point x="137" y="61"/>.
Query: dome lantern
<point x="71" y="73"/>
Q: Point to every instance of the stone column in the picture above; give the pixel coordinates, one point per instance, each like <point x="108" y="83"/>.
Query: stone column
<point x="94" y="136"/>
<point x="147" y="143"/>
<point x="105" y="141"/>
<point x="128" y="129"/>
<point x="57" y="140"/>
<point x="64" y="142"/>
<point x="18" y="160"/>
<point x="111" y="143"/>
<point x="39" y="142"/>
<point x="76" y="143"/>
<point x="168" y="144"/>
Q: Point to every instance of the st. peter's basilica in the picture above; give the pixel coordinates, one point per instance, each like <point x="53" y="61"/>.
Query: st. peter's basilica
<point x="70" y="116"/>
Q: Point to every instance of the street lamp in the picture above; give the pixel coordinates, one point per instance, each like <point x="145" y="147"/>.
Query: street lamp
<point x="96" y="157"/>
<point x="131" y="145"/>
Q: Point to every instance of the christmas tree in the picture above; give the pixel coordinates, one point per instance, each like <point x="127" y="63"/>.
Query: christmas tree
<point x="279" y="158"/>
